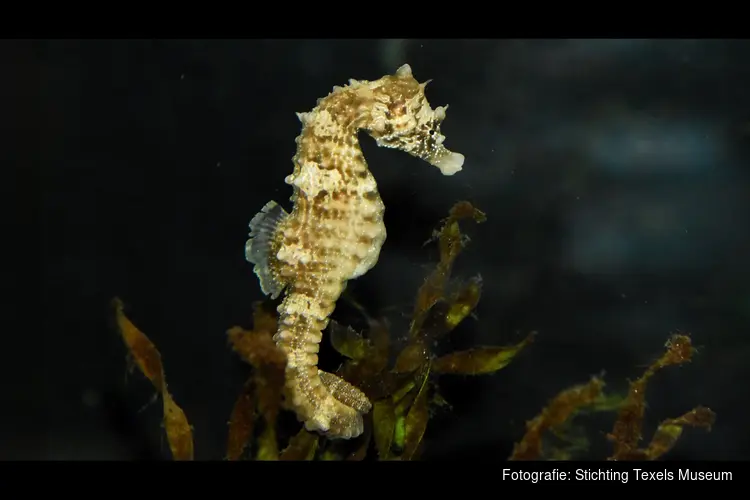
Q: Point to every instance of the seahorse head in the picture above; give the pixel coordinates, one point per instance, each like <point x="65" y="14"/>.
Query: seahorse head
<point x="403" y="119"/>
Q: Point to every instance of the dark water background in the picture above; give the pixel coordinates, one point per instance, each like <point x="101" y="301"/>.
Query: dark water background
<point x="614" y="174"/>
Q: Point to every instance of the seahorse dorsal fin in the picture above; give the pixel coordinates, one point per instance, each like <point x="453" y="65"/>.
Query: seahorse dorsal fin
<point x="258" y="247"/>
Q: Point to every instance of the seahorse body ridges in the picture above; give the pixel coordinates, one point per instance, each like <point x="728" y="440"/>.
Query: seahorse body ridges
<point x="335" y="231"/>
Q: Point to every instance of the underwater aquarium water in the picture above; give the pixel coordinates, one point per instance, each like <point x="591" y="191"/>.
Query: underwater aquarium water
<point x="578" y="290"/>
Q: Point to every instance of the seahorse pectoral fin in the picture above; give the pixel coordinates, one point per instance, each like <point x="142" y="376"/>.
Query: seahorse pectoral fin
<point x="345" y="392"/>
<point x="258" y="248"/>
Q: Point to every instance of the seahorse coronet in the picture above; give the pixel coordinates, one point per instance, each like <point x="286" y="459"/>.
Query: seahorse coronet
<point x="335" y="231"/>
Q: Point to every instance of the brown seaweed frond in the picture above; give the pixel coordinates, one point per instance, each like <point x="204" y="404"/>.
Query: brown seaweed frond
<point x="405" y="394"/>
<point x="451" y="242"/>
<point x="148" y="360"/>
<point x="670" y="430"/>
<point x="626" y="433"/>
<point x="262" y="394"/>
<point x="555" y="415"/>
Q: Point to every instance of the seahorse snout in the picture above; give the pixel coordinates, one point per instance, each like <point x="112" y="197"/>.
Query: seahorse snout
<point x="449" y="163"/>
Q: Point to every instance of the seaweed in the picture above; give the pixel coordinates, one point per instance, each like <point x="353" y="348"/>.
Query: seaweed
<point x="554" y="416"/>
<point x="402" y="381"/>
<point x="262" y="393"/>
<point x="148" y="359"/>
<point x="405" y="394"/>
<point x="626" y="432"/>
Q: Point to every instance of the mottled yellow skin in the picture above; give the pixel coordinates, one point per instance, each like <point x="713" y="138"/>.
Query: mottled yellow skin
<point x="335" y="231"/>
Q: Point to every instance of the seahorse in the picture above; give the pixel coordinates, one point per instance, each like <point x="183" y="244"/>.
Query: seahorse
<point x="336" y="230"/>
